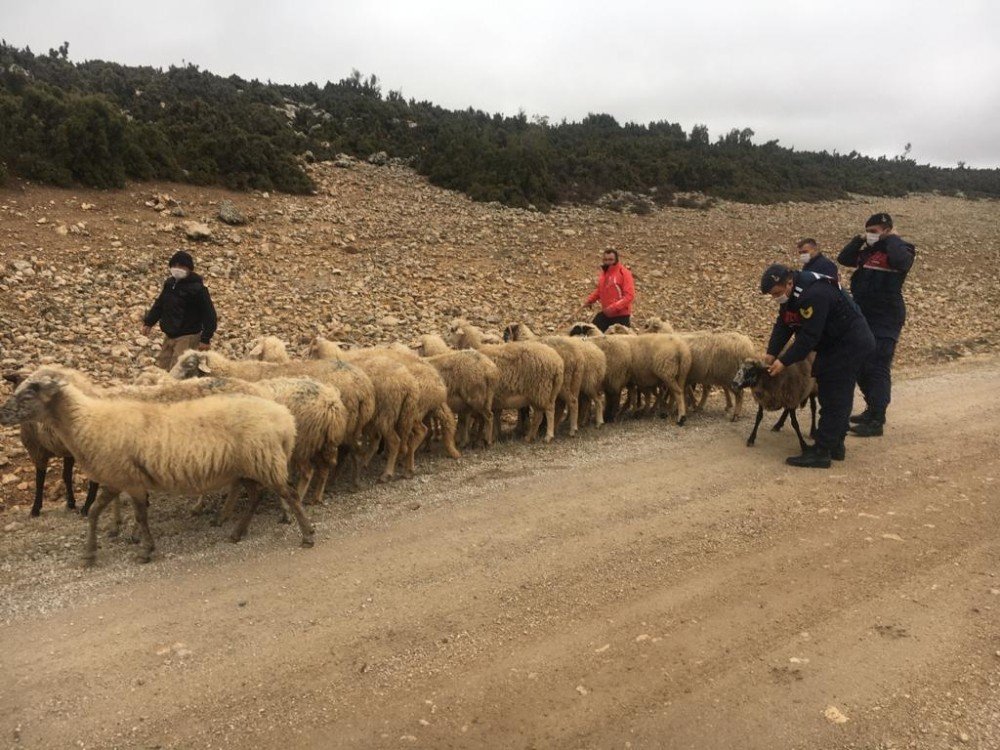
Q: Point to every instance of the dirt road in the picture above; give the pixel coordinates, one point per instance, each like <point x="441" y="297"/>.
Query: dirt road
<point x="645" y="587"/>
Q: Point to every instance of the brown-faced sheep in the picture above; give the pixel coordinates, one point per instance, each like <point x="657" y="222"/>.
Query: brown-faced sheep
<point x="531" y="375"/>
<point x="786" y="392"/>
<point x="189" y="447"/>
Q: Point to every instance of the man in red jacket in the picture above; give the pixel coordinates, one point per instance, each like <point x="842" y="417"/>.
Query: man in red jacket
<point x="615" y="290"/>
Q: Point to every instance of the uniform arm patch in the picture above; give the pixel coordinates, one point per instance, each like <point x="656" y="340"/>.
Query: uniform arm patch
<point x="806" y="312"/>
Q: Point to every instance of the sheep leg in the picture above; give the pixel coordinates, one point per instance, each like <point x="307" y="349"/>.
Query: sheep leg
<point x="320" y="478"/>
<point x="573" y="406"/>
<point x="756" y="424"/>
<point x="798" y="432"/>
<point x="393" y="443"/>
<point x="550" y="428"/>
<point x="446" y="418"/>
<point x="677" y="391"/>
<point x="705" y="390"/>
<point x="141" y="508"/>
<point x="40" y="469"/>
<point x="253" y="490"/>
<point x="737" y="403"/>
<point x="487" y="416"/>
<point x="223" y="512"/>
<point x="92" y="488"/>
<point x="116" y="508"/>
<point x="287" y="495"/>
<point x="781" y="421"/>
<point x="417" y="436"/>
<point x="67" y="476"/>
<point x="729" y="400"/>
<point x="90" y="548"/>
<point x="598" y="406"/>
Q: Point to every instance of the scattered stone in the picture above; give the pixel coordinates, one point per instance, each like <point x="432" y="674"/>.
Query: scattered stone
<point x="582" y="690"/>
<point x="229" y="214"/>
<point x="196" y="231"/>
<point x="834" y="715"/>
<point x="379" y="159"/>
<point x="13" y="526"/>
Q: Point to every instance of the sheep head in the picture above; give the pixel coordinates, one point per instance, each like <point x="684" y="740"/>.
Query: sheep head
<point x="585" y="329"/>
<point x="323" y="348"/>
<point x="748" y="375"/>
<point x="30" y="399"/>
<point x="617" y="329"/>
<point x="657" y="325"/>
<point x="269" y="349"/>
<point x="192" y="364"/>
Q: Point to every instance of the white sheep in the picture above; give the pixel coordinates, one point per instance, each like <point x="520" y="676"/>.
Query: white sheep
<point x="189" y="447"/>
<point x="660" y="365"/>
<point x="531" y="374"/>
<point x="430" y="394"/>
<point x="618" y="364"/>
<point x="471" y="379"/>
<point x="356" y="389"/>
<point x="584" y="368"/>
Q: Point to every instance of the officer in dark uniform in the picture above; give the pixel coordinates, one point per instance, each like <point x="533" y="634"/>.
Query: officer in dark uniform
<point x="822" y="317"/>
<point x="813" y="260"/>
<point x="881" y="259"/>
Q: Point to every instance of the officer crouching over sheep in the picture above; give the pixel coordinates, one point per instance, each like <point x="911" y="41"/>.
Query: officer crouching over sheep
<point x="824" y="319"/>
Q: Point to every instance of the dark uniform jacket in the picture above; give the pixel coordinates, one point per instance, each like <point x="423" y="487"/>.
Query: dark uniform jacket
<point x="822" y="264"/>
<point x="877" y="282"/>
<point x="823" y="319"/>
<point x="184" y="307"/>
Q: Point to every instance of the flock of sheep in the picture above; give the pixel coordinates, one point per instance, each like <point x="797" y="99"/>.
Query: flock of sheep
<point x="270" y="422"/>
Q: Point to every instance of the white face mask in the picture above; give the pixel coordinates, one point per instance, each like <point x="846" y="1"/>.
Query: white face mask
<point x="804" y="258"/>
<point x="872" y="237"/>
<point x="179" y="273"/>
<point x="780" y="300"/>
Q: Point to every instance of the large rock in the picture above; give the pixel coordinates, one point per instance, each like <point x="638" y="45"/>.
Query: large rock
<point x="379" y="159"/>
<point x="229" y="214"/>
<point x="196" y="231"/>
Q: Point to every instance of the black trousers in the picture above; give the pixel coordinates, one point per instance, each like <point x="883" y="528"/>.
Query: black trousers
<point x="603" y="322"/>
<point x="836" y="374"/>
<point x="875" y="378"/>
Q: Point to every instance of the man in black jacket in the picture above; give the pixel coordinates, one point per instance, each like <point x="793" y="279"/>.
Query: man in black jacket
<point x="813" y="260"/>
<point x="184" y="311"/>
<point x="881" y="259"/>
<point x="824" y="319"/>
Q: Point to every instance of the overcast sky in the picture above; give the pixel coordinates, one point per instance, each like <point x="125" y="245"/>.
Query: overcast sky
<point x="869" y="75"/>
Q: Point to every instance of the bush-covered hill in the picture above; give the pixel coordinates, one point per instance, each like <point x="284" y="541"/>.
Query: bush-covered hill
<point x="99" y="123"/>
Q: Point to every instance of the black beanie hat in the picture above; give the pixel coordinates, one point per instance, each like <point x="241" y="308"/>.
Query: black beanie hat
<point x="773" y="274"/>
<point x="181" y="258"/>
<point x="883" y="219"/>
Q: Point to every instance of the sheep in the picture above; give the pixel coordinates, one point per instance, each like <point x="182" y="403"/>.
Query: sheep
<point x="356" y="389"/>
<point x="189" y="447"/>
<point x="471" y="379"/>
<point x="787" y="391"/>
<point x="660" y="361"/>
<point x="618" y="370"/>
<point x="531" y="374"/>
<point x="42" y="445"/>
<point x="584" y="368"/>
<point x="429" y="393"/>
<point x="715" y="356"/>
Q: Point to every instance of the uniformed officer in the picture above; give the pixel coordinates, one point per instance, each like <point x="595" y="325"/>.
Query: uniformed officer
<point x="813" y="260"/>
<point x="881" y="259"/>
<point x="824" y="319"/>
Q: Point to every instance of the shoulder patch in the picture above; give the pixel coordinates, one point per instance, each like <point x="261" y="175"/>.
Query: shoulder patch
<point x="806" y="312"/>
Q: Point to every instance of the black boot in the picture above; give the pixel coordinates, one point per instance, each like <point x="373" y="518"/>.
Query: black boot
<point x="862" y="417"/>
<point x="838" y="452"/>
<point x="813" y="457"/>
<point x="872" y="428"/>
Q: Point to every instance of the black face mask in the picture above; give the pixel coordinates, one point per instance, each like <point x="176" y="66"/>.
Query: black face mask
<point x="606" y="266"/>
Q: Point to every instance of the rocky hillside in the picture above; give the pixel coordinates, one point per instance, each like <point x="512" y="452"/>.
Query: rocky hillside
<point x="379" y="254"/>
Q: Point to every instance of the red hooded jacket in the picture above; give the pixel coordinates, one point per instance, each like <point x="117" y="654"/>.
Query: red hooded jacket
<point x="616" y="290"/>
